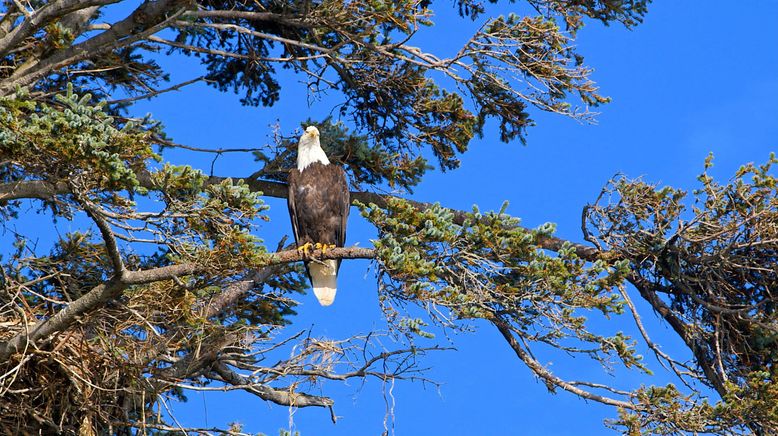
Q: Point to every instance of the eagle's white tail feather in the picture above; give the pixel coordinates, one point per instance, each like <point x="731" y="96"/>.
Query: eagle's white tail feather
<point x="324" y="280"/>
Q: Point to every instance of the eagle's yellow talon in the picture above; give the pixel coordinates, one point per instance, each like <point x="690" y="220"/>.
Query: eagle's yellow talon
<point x="305" y="249"/>
<point x="324" y="247"/>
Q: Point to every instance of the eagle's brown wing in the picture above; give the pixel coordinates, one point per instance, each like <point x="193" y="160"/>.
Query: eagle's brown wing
<point x="344" y="200"/>
<point x="292" y="182"/>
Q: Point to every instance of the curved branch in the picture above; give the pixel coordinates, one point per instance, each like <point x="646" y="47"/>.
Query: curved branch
<point x="111" y="248"/>
<point x="549" y="377"/>
<point x="38" y="189"/>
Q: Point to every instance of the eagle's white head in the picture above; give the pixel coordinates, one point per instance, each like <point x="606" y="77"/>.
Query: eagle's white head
<point x="309" y="149"/>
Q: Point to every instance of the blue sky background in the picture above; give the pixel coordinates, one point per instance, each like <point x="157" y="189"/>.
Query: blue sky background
<point x="696" y="77"/>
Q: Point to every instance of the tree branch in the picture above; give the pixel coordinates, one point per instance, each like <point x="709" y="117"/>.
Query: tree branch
<point x="207" y="358"/>
<point x="43" y="16"/>
<point x="280" y="190"/>
<point x="283" y="397"/>
<point x="111" y="248"/>
<point x="261" y="35"/>
<point x="547" y="376"/>
<point x="156" y="92"/>
<point x="682" y="330"/>
<point x="39" y="189"/>
<point x="246" y="15"/>
<point x="147" y="19"/>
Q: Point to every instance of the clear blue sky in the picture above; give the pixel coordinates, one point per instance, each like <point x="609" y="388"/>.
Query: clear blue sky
<point x="696" y="77"/>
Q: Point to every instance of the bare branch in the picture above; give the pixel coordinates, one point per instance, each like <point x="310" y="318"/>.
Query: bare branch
<point x="156" y="92"/>
<point x="39" y="189"/>
<point x="283" y="397"/>
<point x="246" y="15"/>
<point x="549" y="378"/>
<point x="267" y="36"/>
<point x="174" y="430"/>
<point x="661" y="356"/>
<point x="684" y="331"/>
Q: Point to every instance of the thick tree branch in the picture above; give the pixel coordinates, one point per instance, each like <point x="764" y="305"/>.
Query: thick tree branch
<point x="38" y="189"/>
<point x="43" y="16"/>
<point x="147" y="19"/>
<point x="235" y="290"/>
<point x="286" y="20"/>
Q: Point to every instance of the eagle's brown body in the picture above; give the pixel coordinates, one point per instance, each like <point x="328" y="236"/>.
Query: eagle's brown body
<point x="319" y="206"/>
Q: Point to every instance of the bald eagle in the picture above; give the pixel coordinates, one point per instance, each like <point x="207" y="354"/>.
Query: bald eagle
<point x="318" y="205"/>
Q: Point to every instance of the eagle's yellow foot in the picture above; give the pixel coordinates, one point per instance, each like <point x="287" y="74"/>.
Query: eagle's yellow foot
<point x="324" y="247"/>
<point x="305" y="249"/>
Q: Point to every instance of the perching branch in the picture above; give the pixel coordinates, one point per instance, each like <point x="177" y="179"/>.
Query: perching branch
<point x="279" y="190"/>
